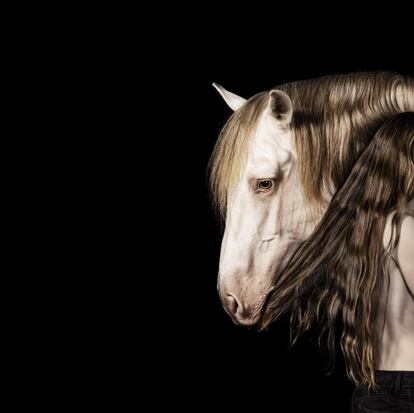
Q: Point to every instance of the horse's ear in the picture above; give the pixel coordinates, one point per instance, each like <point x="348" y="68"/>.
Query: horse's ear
<point x="235" y="102"/>
<point x="280" y="106"/>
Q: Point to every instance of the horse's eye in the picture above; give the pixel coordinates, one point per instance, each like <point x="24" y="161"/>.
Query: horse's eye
<point x="264" y="185"/>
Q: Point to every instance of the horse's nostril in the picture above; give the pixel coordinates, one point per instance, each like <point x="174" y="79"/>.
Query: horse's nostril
<point x="232" y="304"/>
<point x="240" y="312"/>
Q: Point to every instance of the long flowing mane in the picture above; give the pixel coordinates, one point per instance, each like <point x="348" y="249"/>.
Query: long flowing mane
<point x="334" y="118"/>
<point x="339" y="271"/>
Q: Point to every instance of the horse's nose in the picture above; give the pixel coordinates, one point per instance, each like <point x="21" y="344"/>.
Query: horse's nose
<point x="237" y="311"/>
<point x="231" y="304"/>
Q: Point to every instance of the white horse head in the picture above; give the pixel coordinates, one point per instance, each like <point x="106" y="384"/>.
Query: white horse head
<point x="267" y="216"/>
<point x="278" y="161"/>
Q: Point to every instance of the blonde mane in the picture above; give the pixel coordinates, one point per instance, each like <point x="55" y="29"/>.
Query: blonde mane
<point x="230" y="153"/>
<point x="334" y="119"/>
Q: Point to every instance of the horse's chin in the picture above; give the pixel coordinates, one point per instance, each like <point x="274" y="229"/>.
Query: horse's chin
<point x="248" y="320"/>
<point x="245" y="322"/>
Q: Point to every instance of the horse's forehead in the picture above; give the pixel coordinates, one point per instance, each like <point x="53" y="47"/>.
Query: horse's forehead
<point x="270" y="143"/>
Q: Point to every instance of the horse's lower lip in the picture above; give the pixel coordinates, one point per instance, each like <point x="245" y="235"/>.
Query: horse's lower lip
<point x="245" y="322"/>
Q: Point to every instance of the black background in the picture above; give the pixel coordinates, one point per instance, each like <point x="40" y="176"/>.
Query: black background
<point x="210" y="362"/>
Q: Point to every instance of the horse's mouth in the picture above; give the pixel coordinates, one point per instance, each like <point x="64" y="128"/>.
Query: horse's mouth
<point x="250" y="315"/>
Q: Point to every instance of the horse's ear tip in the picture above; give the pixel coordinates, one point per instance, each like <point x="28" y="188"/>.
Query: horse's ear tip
<point x="276" y="92"/>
